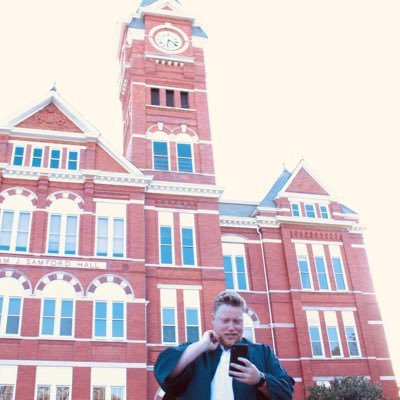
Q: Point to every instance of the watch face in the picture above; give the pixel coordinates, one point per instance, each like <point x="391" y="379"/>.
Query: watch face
<point x="168" y="40"/>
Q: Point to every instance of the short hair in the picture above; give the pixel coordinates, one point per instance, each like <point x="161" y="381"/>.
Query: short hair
<point x="230" y="298"/>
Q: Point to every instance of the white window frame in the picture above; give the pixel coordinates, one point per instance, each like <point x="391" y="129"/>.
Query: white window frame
<point x="50" y="158"/>
<point x="13" y="386"/>
<point x="166" y="220"/>
<point x="63" y="233"/>
<point x="110" y="236"/>
<point x="314" y="315"/>
<point x="168" y="301"/>
<point x="187" y="222"/>
<point x="77" y="159"/>
<point x="234" y="250"/>
<point x="335" y="252"/>
<point x="168" y="155"/>
<point x="109" y="320"/>
<point x="327" y="211"/>
<point x="41" y="160"/>
<point x="4" y="315"/>
<point x="191" y="300"/>
<point x="248" y="323"/>
<point x="191" y="158"/>
<point x="299" y="209"/>
<point x="14" y="229"/>
<point x="57" y="317"/>
<point x="318" y="252"/>
<point x="346" y="317"/>
<point x="301" y="251"/>
<point x="23" y="156"/>
<point x="313" y="207"/>
<point x="331" y="322"/>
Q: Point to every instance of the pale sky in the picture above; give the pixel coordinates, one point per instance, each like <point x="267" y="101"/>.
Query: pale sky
<point x="287" y="79"/>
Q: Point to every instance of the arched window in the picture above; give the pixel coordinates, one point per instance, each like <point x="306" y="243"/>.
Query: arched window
<point x="11" y="301"/>
<point x="15" y="226"/>
<point x="248" y="327"/>
<point x="109" y="312"/>
<point x="63" y="227"/>
<point x="58" y="309"/>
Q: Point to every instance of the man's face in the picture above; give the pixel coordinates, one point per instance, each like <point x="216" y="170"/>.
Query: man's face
<point x="228" y="324"/>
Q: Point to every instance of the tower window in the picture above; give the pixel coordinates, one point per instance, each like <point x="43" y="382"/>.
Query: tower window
<point x="170" y="98"/>
<point x="185" y="160"/>
<point x="160" y="156"/>
<point x="184" y="100"/>
<point x="18" y="158"/>
<point x="155" y="97"/>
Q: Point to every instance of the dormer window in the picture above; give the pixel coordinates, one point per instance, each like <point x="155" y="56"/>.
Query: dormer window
<point x="72" y="160"/>
<point x="18" y="158"/>
<point x="324" y="212"/>
<point x="55" y="158"/>
<point x="295" y="209"/>
<point x="310" y="210"/>
<point x="37" y="157"/>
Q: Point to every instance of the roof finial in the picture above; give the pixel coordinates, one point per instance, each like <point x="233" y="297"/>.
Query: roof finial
<point x="284" y="167"/>
<point x="53" y="88"/>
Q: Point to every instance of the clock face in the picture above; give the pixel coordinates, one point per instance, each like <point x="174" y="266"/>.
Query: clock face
<point x="168" y="40"/>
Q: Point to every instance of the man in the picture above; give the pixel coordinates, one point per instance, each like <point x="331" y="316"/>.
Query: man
<point x="200" y="370"/>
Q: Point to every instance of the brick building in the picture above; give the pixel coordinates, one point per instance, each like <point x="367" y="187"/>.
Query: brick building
<point x="107" y="258"/>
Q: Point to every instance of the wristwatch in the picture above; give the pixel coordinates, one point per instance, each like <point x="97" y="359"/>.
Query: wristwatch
<point x="261" y="381"/>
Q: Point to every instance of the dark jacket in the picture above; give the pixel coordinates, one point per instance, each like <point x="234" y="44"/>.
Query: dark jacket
<point x="194" y="382"/>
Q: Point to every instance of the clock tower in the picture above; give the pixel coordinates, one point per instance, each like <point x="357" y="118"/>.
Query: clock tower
<point x="163" y="94"/>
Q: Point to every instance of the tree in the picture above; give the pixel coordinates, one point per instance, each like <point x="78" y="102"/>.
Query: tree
<point x="347" y="388"/>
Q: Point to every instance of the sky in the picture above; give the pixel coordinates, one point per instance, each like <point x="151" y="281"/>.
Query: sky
<point x="287" y="80"/>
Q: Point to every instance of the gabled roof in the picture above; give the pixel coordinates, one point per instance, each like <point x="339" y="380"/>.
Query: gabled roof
<point x="19" y="124"/>
<point x="51" y="98"/>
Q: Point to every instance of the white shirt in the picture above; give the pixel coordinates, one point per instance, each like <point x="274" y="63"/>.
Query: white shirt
<point x="221" y="385"/>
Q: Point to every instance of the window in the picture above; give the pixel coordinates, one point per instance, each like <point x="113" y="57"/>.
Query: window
<point x="185" y="161"/>
<point x="55" y="158"/>
<point x="63" y="227"/>
<point x="295" y="209"/>
<point x="314" y="331"/>
<point x="57" y="317"/>
<point x="72" y="163"/>
<point x="168" y="316"/>
<point x="108" y="383"/>
<point x="10" y="315"/>
<point x="351" y="333"/>
<point x="333" y="333"/>
<point x="170" y="98"/>
<point x="337" y="265"/>
<point x="155" y="96"/>
<point x="235" y="272"/>
<point x="109" y="319"/>
<point x="63" y="234"/>
<point x="37" y="157"/>
<point x="43" y="393"/>
<point x="324" y="212"/>
<point x="320" y="266"/>
<point x="310" y="211"/>
<point x="248" y="328"/>
<point x="62" y="393"/>
<point x="6" y="392"/>
<point x="187" y="239"/>
<point x="112" y="228"/>
<point x="160" y="156"/>
<point x="166" y="243"/>
<point x="184" y="100"/>
<point x="14" y="230"/>
<point x="192" y="315"/>
<point x="304" y="267"/>
<point x="18" y="158"/>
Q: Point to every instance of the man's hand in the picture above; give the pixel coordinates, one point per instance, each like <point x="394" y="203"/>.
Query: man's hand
<point x="248" y="373"/>
<point x="210" y="340"/>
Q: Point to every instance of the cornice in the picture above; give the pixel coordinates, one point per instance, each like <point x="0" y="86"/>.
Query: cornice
<point x="184" y="189"/>
<point x="50" y="134"/>
<point x="238" y="222"/>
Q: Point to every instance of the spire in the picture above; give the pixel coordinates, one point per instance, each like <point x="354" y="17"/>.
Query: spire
<point x="53" y="88"/>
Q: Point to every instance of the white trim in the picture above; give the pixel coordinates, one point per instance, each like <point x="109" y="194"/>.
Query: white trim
<point x="184" y="189"/>
<point x="135" y="83"/>
<point x="176" y="267"/>
<point x="187" y="211"/>
<point x="321" y="308"/>
<point x="375" y="322"/>
<point x="316" y="242"/>
<point x="67" y="363"/>
<point x="387" y="378"/>
<point x="180" y="287"/>
<point x="42" y="145"/>
<point x="358" y="246"/>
